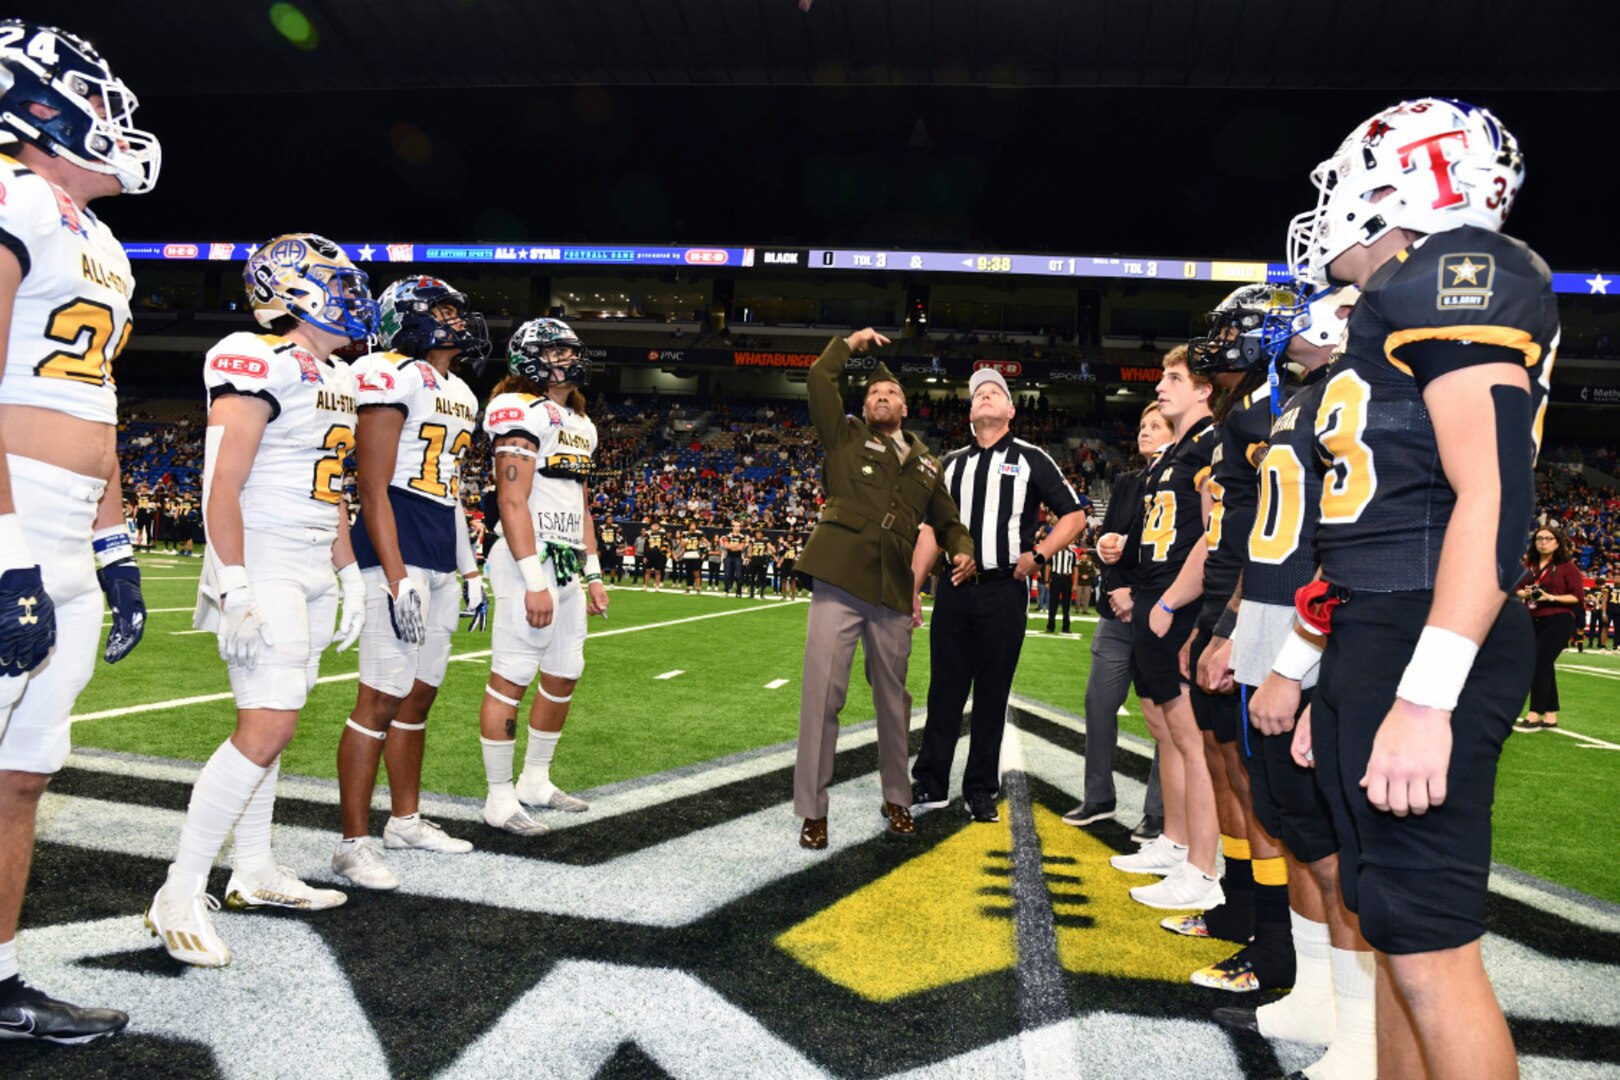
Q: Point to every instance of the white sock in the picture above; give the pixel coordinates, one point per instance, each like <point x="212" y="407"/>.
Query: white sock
<point x="1353" y="1054"/>
<point x="250" y="848"/>
<point x="498" y="755"/>
<point x="1306" y="1014"/>
<point x="537" y="760"/>
<point x="348" y="842"/>
<point x="408" y="819"/>
<point x="227" y="782"/>
<point x="8" y="959"/>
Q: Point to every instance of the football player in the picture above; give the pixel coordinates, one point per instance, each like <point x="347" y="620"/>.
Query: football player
<point x="281" y="419"/>
<point x="544" y="569"/>
<point x="1429" y="424"/>
<point x="64" y="317"/>
<point x="1164" y="608"/>
<point x="417" y="420"/>
<point x="657" y="554"/>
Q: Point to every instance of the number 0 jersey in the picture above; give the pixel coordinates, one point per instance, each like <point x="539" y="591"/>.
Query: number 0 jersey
<point x="70" y="319"/>
<point x="1242" y="433"/>
<point x="1452" y="300"/>
<point x="1281" y="545"/>
<point x="441" y="414"/>
<point x="297" y="475"/>
<point x="564" y="442"/>
<point x="1172" y="508"/>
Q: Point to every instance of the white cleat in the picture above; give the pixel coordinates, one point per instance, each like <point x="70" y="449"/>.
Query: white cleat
<point x="508" y="816"/>
<point x="557" y="800"/>
<point x="277" y="886"/>
<point x="360" y="863"/>
<point x="1185" y="889"/>
<point x="182" y="924"/>
<point x="420" y="834"/>
<point x="1158" y="856"/>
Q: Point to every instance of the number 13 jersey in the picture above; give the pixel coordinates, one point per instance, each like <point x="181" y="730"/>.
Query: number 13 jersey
<point x="70" y="319"/>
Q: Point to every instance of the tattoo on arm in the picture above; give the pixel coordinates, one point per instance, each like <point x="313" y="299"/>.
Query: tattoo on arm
<point x="511" y="473"/>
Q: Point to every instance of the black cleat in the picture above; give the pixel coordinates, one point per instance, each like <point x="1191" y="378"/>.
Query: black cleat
<point x="1147" y="829"/>
<point x="26" y="1013"/>
<point x="1239" y="1018"/>
<point x="923" y="800"/>
<point x="1088" y="812"/>
<point x="981" y="807"/>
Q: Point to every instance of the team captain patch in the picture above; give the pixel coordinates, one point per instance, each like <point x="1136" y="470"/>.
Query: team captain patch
<point x="1465" y="281"/>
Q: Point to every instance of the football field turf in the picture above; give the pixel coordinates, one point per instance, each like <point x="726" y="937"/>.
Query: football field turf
<point x="677" y="929"/>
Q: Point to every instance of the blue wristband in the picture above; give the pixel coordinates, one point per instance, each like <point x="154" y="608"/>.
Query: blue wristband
<point x="1167" y="608"/>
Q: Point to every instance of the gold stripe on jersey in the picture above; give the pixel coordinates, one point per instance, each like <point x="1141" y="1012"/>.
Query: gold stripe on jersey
<point x="1509" y="337"/>
<point x="1201" y="476"/>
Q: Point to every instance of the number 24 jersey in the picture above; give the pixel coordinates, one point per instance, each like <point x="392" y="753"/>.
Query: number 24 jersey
<point x="1452" y="300"/>
<point x="1172" y="507"/>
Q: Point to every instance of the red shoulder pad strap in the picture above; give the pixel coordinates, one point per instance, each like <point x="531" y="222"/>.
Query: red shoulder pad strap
<point x="1315" y="604"/>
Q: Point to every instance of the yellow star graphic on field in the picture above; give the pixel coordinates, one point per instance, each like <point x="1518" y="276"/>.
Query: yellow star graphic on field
<point x="1467" y="270"/>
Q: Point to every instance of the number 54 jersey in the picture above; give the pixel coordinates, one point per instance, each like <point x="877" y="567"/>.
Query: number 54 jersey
<point x="297" y="476"/>
<point x="70" y="319"/>
<point x="1452" y="300"/>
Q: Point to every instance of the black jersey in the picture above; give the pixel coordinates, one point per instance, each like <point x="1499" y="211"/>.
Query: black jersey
<point x="758" y="549"/>
<point x="1172" y="508"/>
<point x="1452" y="300"/>
<point x="1611" y="596"/>
<point x="657" y="540"/>
<point x="1242" y="435"/>
<point x="1281" y="544"/>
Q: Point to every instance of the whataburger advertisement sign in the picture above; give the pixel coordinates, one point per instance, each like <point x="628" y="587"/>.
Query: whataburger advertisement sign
<point x="959" y="367"/>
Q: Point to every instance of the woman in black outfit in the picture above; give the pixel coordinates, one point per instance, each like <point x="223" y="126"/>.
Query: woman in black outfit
<point x="1554" y="590"/>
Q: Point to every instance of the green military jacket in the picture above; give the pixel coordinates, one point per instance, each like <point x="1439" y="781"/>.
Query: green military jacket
<point x="875" y="502"/>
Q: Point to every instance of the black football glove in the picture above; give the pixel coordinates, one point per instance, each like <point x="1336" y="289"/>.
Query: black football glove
<point x="122" y="583"/>
<point x="27" y="621"/>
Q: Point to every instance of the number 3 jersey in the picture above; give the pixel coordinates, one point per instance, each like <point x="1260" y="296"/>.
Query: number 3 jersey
<point x="1452" y="300"/>
<point x="564" y="442"/>
<point x="70" y="319"/>
<point x="440" y="414"/>
<point x="297" y="476"/>
<point x="1172" y="508"/>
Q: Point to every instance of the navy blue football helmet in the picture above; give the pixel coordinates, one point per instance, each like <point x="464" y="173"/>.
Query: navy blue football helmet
<point x="409" y="326"/>
<point x="526" y="355"/>
<point x="93" y="125"/>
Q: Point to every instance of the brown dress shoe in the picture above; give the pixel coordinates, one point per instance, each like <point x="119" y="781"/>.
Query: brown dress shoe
<point x="898" y="819"/>
<point x="813" y="834"/>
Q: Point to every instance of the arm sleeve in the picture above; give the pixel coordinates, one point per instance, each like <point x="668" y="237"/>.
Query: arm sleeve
<point x="507" y="415"/>
<point x="377" y="381"/>
<point x="826" y="403"/>
<point x="245" y="364"/>
<point x="1465" y="298"/>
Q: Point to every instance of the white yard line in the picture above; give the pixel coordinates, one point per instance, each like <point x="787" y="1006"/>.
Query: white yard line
<point x="1583" y="669"/>
<point x="670" y="674"/>
<point x="201" y="699"/>
<point x="776" y="684"/>
<point x="1595" y="743"/>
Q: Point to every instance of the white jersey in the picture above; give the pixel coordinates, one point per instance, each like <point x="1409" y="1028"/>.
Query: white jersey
<point x="71" y="316"/>
<point x="564" y="442"/>
<point x="441" y="414"/>
<point x="297" y="475"/>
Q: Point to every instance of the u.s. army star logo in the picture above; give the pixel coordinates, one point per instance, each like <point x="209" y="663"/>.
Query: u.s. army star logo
<point x="1465" y="281"/>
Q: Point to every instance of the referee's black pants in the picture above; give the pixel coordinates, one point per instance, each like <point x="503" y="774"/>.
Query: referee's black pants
<point x="1060" y="593"/>
<point x="975" y="636"/>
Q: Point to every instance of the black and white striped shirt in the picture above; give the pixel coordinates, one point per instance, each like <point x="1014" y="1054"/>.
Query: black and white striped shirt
<point x="999" y="490"/>
<point x="1063" y="562"/>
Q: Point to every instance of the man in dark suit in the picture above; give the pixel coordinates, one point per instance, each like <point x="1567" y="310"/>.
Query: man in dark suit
<point x="882" y="484"/>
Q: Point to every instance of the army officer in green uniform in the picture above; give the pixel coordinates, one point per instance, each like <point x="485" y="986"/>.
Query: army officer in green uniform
<point x="882" y="484"/>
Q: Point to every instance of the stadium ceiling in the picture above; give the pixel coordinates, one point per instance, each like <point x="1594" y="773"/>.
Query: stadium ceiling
<point x="186" y="47"/>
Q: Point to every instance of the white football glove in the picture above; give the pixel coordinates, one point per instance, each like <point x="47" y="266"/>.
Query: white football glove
<point x="353" y="617"/>
<point x="243" y="629"/>
<point x="407" y="611"/>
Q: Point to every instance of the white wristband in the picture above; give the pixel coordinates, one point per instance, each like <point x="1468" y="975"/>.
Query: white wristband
<point x="1439" y="666"/>
<point x="229" y="578"/>
<point x="1297" y="659"/>
<point x="593" y="565"/>
<point x="13" y="545"/>
<point x="534" y="580"/>
<point x="112" y="545"/>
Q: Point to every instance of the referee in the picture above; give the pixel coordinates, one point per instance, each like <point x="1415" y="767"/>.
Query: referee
<point x="977" y="631"/>
<point x="1062" y="573"/>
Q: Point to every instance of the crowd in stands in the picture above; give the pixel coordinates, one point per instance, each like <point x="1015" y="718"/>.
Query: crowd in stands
<point x="1589" y="517"/>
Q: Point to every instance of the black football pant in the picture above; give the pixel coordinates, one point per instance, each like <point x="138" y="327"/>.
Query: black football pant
<point x="1059" y="594"/>
<point x="975" y="636"/>
<point x="756" y="576"/>
<point x="734" y="572"/>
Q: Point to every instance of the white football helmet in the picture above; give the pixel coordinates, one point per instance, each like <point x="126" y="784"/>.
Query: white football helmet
<point x="310" y="278"/>
<point x="1450" y="164"/>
